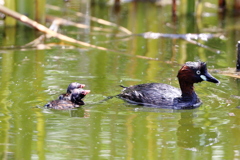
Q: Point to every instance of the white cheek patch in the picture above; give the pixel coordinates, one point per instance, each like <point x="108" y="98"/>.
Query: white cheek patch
<point x="203" y="77"/>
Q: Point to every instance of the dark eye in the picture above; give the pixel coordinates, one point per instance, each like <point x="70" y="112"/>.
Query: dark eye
<point x="198" y="72"/>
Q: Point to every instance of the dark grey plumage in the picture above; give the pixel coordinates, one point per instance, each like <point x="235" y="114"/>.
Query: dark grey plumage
<point x="166" y="96"/>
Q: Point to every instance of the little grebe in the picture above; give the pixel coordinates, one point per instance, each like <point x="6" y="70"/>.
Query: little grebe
<point x="75" y="100"/>
<point x="71" y="87"/>
<point x="165" y="96"/>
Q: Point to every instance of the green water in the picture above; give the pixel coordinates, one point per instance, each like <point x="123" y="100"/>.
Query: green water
<point x="29" y="78"/>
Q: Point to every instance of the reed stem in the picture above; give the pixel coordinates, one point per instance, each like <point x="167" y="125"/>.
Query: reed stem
<point x="9" y="21"/>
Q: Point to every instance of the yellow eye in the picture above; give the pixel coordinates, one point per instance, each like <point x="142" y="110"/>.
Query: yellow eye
<point x="198" y="72"/>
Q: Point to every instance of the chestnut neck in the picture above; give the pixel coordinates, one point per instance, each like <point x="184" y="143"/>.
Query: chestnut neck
<point x="188" y="93"/>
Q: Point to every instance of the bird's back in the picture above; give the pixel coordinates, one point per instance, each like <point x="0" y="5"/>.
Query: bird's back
<point x="151" y="94"/>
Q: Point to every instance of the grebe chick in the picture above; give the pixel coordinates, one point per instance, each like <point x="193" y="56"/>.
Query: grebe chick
<point x="71" y="87"/>
<point x="75" y="100"/>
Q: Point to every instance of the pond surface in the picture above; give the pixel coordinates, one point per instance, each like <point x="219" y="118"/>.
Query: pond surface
<point x="114" y="129"/>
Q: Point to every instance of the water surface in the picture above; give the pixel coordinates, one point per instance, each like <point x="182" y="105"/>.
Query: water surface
<point x="114" y="129"/>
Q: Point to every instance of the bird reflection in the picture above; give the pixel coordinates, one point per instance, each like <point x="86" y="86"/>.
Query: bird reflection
<point x="80" y="112"/>
<point x="192" y="137"/>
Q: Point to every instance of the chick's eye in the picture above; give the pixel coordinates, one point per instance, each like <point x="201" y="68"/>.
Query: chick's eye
<point x="198" y="72"/>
